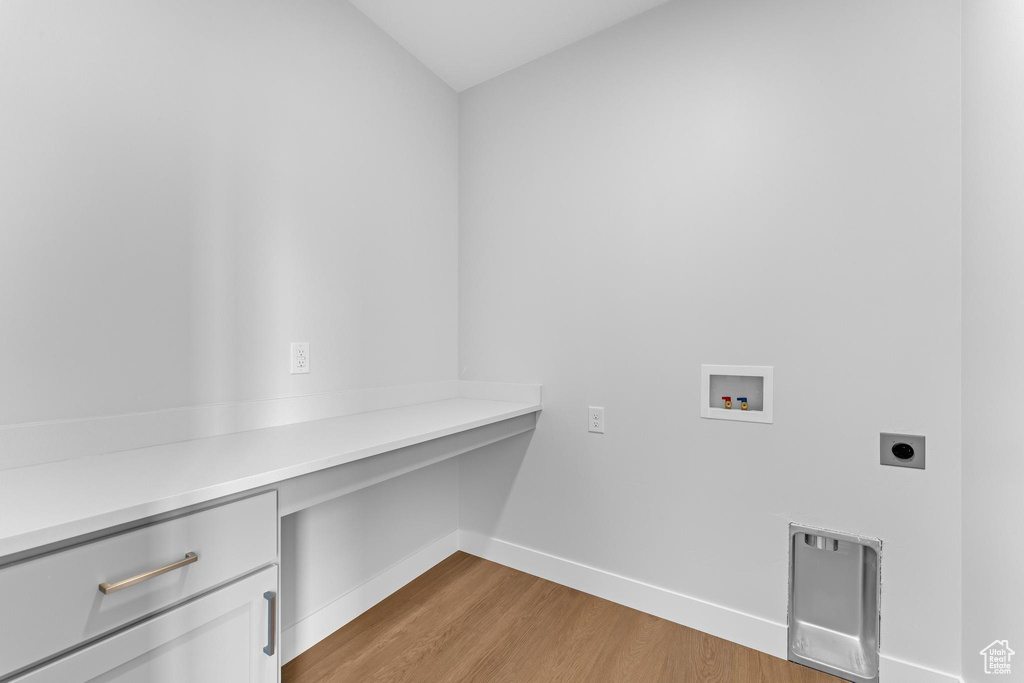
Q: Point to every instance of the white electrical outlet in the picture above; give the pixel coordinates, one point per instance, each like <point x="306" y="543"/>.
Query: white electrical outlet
<point x="300" y="358"/>
<point x="595" y="420"/>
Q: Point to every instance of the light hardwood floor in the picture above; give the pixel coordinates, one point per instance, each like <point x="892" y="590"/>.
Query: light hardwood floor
<point x="468" y="619"/>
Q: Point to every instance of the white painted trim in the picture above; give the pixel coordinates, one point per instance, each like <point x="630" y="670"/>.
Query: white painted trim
<point x="892" y="670"/>
<point x="748" y="630"/>
<point x="745" y="629"/>
<point x="41" y="442"/>
<point x="325" y="621"/>
<point x="501" y="391"/>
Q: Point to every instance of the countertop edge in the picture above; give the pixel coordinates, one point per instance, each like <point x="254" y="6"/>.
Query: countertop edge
<point x="46" y="536"/>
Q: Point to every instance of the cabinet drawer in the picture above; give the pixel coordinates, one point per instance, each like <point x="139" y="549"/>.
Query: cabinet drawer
<point x="223" y="637"/>
<point x="53" y="603"/>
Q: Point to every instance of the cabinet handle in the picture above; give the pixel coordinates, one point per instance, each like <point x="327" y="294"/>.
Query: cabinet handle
<point x="108" y="588"/>
<point x="271" y="598"/>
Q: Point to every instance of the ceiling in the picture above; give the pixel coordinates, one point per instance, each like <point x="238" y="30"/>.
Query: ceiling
<point x="466" y="42"/>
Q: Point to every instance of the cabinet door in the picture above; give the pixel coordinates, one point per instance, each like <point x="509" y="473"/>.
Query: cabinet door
<point x="222" y="637"/>
<point x="229" y="541"/>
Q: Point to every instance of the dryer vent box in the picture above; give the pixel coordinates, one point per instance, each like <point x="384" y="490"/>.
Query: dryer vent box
<point x="834" y="594"/>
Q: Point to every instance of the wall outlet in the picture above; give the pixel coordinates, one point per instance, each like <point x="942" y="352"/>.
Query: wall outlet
<point x="300" y="358"/>
<point x="902" y="450"/>
<point x="595" y="420"/>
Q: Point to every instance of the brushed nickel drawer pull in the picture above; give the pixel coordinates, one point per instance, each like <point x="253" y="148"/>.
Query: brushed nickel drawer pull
<point x="271" y="648"/>
<point x="108" y="588"/>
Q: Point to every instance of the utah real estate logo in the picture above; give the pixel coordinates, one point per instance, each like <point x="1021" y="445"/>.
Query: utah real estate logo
<point x="997" y="657"/>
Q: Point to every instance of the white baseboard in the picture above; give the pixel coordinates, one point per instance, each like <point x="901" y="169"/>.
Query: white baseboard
<point x="892" y="670"/>
<point x="325" y="621"/>
<point x="745" y="629"/>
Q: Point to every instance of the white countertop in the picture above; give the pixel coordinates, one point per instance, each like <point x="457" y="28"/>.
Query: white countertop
<point x="52" y="502"/>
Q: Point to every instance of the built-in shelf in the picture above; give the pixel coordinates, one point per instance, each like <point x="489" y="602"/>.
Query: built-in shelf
<point x="57" y="501"/>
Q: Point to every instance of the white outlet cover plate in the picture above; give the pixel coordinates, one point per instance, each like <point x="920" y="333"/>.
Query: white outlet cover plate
<point x="765" y="416"/>
<point x="595" y="420"/>
<point x="299" y="362"/>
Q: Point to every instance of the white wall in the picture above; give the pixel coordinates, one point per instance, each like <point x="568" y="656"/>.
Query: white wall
<point x="346" y="542"/>
<point x="993" y="359"/>
<point x="726" y="182"/>
<point x="190" y="186"/>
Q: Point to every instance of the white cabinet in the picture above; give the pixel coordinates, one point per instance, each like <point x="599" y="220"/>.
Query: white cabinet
<point x="56" y="602"/>
<point x="227" y="636"/>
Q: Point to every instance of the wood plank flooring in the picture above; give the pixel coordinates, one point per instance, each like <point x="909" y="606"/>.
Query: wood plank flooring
<point x="468" y="619"/>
